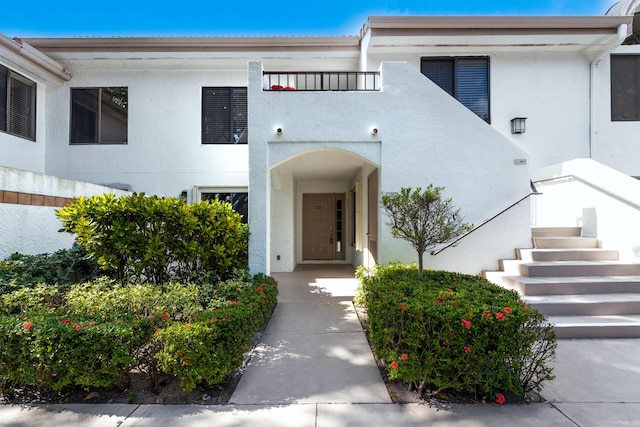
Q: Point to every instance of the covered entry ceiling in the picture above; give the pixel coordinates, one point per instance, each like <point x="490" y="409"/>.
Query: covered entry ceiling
<point x="325" y="164"/>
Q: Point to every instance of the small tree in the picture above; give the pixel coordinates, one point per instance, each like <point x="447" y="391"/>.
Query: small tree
<point x="423" y="219"/>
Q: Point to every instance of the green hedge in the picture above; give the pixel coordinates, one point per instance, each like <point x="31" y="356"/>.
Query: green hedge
<point x="96" y="332"/>
<point x="139" y="238"/>
<point x="455" y="332"/>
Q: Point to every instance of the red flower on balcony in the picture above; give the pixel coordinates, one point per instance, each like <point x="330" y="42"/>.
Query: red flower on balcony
<point x="289" y="88"/>
<point x="276" y="87"/>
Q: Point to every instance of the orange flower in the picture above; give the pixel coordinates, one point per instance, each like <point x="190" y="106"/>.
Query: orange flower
<point x="27" y="325"/>
<point x="185" y="362"/>
<point x="402" y="307"/>
<point x="404" y="356"/>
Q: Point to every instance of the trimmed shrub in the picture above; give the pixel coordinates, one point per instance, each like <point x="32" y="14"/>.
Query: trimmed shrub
<point x="63" y="267"/>
<point x="455" y="332"/>
<point x="136" y="238"/>
<point x="97" y="332"/>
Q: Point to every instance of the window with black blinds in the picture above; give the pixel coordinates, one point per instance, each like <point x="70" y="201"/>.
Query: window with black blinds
<point x="464" y="78"/>
<point x="625" y="88"/>
<point x="17" y="105"/>
<point x="238" y="200"/>
<point x="224" y="115"/>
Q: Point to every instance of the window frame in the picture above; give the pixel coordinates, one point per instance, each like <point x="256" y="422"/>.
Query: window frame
<point x="622" y="102"/>
<point x="455" y="62"/>
<point x="208" y="137"/>
<point x="10" y="114"/>
<point x="200" y="191"/>
<point x="98" y="137"/>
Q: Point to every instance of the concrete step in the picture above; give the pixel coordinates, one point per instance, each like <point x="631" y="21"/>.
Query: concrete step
<point x="589" y="254"/>
<point x="555" y="231"/>
<point x="611" y="326"/>
<point x="579" y="268"/>
<point x="586" y="305"/>
<point x="531" y="286"/>
<point x="565" y="242"/>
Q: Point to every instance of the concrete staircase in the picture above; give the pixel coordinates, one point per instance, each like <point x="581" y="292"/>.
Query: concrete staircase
<point x="585" y="291"/>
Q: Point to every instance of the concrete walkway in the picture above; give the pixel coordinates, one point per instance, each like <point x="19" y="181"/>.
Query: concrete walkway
<point x="313" y="367"/>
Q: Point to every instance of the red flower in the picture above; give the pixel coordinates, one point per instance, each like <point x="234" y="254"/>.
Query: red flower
<point x="235" y="303"/>
<point x="467" y="349"/>
<point x="65" y="321"/>
<point x="466" y="324"/>
<point x="500" y="316"/>
<point x="214" y="319"/>
<point x="500" y="398"/>
<point x="92" y="323"/>
<point x="27" y="325"/>
<point x="289" y="88"/>
<point x="394" y="365"/>
<point x="165" y="316"/>
<point x="77" y="328"/>
<point x="488" y="315"/>
<point x="525" y="308"/>
<point x="404" y="356"/>
<point x="507" y="310"/>
<point x="402" y="307"/>
<point x="185" y="362"/>
<point x="450" y="291"/>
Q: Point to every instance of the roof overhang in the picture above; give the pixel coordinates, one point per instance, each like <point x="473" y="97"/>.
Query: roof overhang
<point x="30" y="61"/>
<point x="566" y="33"/>
<point x="194" y="44"/>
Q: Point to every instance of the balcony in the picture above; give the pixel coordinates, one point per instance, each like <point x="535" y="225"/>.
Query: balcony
<point x="310" y="81"/>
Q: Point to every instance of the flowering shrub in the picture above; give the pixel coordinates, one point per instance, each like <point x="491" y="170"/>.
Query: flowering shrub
<point x="450" y="331"/>
<point x="94" y="334"/>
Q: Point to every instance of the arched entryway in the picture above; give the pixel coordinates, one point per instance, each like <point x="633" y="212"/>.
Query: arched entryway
<point x="319" y="209"/>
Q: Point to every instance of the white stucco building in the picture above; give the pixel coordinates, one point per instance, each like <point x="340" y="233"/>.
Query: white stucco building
<point x="305" y="133"/>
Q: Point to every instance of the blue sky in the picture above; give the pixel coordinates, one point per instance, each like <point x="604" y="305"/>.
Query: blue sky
<point x="48" y="18"/>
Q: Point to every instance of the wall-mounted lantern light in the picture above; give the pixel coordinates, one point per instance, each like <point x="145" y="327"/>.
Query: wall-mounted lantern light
<point x="518" y="125"/>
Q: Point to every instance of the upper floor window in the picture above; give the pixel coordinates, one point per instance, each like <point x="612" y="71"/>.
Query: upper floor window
<point x="17" y="104"/>
<point x="625" y="87"/>
<point x="99" y="115"/>
<point x="464" y="78"/>
<point x="224" y="115"/>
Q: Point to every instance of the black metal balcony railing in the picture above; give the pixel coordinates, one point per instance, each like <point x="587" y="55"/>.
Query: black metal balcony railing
<point x="322" y="81"/>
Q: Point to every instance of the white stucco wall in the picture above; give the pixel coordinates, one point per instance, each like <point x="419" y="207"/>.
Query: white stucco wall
<point x="550" y="88"/>
<point x="425" y="137"/>
<point x="164" y="154"/>
<point x="615" y="143"/>
<point x="600" y="199"/>
<point x="34" y="229"/>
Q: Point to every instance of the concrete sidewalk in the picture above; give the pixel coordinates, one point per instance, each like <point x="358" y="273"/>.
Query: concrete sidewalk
<point x="313" y="367"/>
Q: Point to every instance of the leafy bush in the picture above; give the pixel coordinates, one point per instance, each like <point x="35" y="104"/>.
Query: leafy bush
<point x="93" y="334"/>
<point x="136" y="238"/>
<point x="64" y="267"/>
<point x="450" y="331"/>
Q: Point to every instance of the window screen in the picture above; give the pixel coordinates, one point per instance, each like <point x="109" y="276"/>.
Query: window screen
<point x="17" y="105"/>
<point x="224" y="115"/>
<point x="464" y="78"/>
<point x="625" y="87"/>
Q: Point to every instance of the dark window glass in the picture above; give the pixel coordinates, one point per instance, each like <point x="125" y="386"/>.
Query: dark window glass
<point x="17" y="105"/>
<point x="224" y="115"/>
<point x="625" y="87"/>
<point x="464" y="78"/>
<point x="239" y="201"/>
<point x="99" y="115"/>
